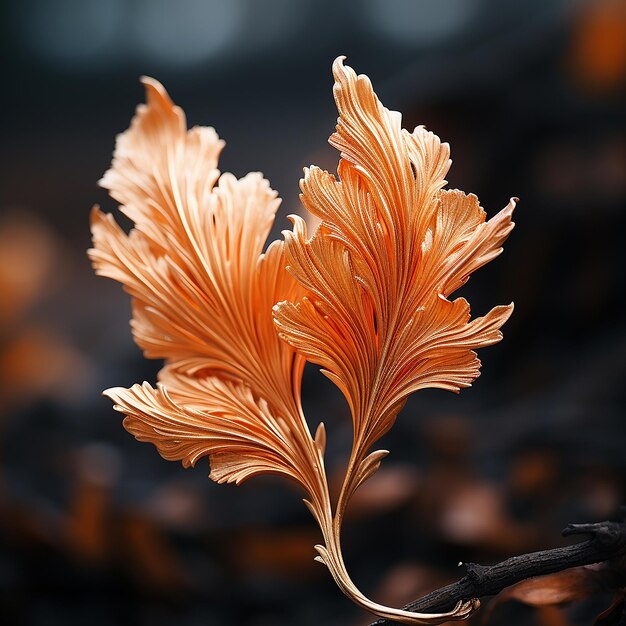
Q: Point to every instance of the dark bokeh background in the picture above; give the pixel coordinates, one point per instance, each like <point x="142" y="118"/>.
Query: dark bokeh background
<point x="97" y="528"/>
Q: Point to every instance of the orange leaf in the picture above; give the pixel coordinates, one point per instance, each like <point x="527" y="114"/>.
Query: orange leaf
<point x="569" y="585"/>
<point x="202" y="293"/>
<point x="391" y="247"/>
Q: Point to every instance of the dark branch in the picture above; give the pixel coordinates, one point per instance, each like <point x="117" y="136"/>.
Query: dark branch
<point x="607" y="540"/>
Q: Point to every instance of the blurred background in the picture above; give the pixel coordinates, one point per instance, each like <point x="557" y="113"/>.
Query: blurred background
<point x="95" y="527"/>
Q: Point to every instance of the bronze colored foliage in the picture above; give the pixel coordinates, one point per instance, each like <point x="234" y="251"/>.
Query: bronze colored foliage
<point x="366" y="297"/>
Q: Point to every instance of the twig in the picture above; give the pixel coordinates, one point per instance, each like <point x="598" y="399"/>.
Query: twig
<point x="607" y="540"/>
